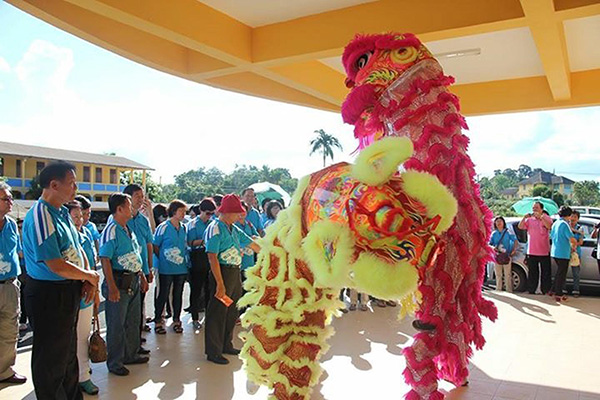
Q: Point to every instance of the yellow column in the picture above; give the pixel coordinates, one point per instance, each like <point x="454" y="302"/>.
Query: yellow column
<point x="144" y="179"/>
<point x="131" y="176"/>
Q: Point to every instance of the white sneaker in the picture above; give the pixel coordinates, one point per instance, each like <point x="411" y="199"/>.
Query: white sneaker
<point x="197" y="325"/>
<point x="23" y="327"/>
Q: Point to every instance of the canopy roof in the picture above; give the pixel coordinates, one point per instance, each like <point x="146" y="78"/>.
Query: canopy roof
<point x="507" y="55"/>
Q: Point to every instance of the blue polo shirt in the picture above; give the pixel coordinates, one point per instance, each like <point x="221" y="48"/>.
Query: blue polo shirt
<point x="140" y="225"/>
<point x="226" y="242"/>
<point x="507" y="241"/>
<point x="48" y="234"/>
<point x="247" y="252"/>
<point x="173" y="258"/>
<point x="93" y="230"/>
<point x="196" y="229"/>
<point x="578" y="236"/>
<point x="10" y="245"/>
<point x="560" y="234"/>
<point x="120" y="246"/>
<point x="87" y="243"/>
<point x="255" y="219"/>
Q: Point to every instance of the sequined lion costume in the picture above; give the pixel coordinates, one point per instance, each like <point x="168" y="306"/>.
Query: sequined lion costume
<point x="418" y="235"/>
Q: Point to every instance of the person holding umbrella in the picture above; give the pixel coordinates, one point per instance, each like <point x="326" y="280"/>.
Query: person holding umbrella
<point x="537" y="225"/>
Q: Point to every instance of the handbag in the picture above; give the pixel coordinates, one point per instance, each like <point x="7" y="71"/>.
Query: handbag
<point x="502" y="258"/>
<point x="574" y="261"/>
<point x="97" y="345"/>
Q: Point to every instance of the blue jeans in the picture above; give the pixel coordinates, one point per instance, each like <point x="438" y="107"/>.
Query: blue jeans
<point x="122" y="325"/>
<point x="576" y="272"/>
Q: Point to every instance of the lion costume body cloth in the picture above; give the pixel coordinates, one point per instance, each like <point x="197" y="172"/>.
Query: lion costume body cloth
<point x="419" y="235"/>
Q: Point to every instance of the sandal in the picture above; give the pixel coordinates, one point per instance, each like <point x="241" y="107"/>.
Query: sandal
<point x="391" y="303"/>
<point x="352" y="307"/>
<point x="177" y="328"/>
<point x="159" y="329"/>
<point x="363" y="307"/>
<point x="146" y="328"/>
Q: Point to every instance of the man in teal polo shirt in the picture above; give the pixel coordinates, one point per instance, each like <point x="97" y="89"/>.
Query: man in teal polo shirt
<point x="224" y="244"/>
<point x="253" y="216"/>
<point x="10" y="247"/>
<point x="199" y="260"/>
<point x="140" y="225"/>
<point x="122" y="266"/>
<point x="56" y="268"/>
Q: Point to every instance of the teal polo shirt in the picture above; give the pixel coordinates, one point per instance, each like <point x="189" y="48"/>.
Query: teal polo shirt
<point x="560" y="234"/>
<point x="196" y="229"/>
<point x="48" y="234"/>
<point x="247" y="252"/>
<point x="254" y="218"/>
<point x="87" y="243"/>
<point x="93" y="230"/>
<point x="140" y="225"/>
<point x="173" y="257"/>
<point x="120" y="245"/>
<point x="10" y="245"/>
<point x="227" y="242"/>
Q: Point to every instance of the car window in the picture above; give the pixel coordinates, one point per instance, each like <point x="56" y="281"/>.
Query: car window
<point x="521" y="234"/>
<point x="595" y="212"/>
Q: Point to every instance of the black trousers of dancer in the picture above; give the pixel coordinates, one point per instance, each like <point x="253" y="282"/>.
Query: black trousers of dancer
<point x="53" y="310"/>
<point x="535" y="264"/>
<point x="199" y="272"/>
<point x="220" y="320"/>
<point x="561" y="275"/>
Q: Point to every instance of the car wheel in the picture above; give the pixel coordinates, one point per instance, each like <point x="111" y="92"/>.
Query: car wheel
<point x="519" y="278"/>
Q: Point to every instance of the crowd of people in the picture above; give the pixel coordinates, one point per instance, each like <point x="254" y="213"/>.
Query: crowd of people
<point x="49" y="273"/>
<point x="49" y="276"/>
<point x="548" y="241"/>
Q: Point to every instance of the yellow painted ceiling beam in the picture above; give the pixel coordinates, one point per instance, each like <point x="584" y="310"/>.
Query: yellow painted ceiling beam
<point x="549" y="37"/>
<point x="189" y="23"/>
<point x="526" y="94"/>
<point x="324" y="35"/>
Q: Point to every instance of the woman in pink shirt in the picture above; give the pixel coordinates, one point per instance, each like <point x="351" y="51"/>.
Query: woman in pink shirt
<point x="538" y="225"/>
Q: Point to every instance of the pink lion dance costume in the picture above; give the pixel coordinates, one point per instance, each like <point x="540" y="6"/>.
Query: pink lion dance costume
<point x="399" y="89"/>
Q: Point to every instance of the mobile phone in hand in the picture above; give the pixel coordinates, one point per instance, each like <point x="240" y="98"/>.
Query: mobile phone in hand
<point x="225" y="300"/>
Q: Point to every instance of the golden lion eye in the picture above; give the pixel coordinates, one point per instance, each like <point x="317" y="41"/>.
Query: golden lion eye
<point x="404" y="55"/>
<point x="363" y="60"/>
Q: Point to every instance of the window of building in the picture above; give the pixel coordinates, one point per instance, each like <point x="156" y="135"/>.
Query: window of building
<point x="98" y="175"/>
<point x="19" y="169"/>
<point x="113" y="176"/>
<point x="39" y="166"/>
<point x="98" y="198"/>
<point x="86" y="174"/>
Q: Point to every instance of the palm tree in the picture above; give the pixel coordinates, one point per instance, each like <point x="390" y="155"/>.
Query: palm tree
<point x="324" y="143"/>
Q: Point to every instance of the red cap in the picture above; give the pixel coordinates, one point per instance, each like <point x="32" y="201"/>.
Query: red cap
<point x="231" y="204"/>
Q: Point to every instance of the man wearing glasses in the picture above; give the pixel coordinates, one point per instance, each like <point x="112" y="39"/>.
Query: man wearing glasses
<point x="199" y="259"/>
<point x="10" y="247"/>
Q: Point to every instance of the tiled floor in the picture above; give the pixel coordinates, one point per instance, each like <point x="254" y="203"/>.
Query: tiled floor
<point x="537" y="350"/>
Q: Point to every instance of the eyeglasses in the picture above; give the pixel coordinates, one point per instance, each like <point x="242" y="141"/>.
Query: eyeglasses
<point x="7" y="199"/>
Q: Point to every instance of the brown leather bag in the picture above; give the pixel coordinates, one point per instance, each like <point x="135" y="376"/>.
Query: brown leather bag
<point x="97" y="345"/>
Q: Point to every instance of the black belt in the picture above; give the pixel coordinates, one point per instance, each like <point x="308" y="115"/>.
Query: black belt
<point x="118" y="272"/>
<point x="9" y="280"/>
<point x="229" y="265"/>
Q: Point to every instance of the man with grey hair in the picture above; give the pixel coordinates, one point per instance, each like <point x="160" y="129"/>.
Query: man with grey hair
<point x="10" y="247"/>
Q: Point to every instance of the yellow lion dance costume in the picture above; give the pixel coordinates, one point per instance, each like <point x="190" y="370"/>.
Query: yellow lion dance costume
<point x="363" y="226"/>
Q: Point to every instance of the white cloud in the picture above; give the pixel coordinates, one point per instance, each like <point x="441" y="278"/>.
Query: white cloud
<point x="4" y="65"/>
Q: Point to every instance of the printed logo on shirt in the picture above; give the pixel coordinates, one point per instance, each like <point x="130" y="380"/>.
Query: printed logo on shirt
<point x="232" y="256"/>
<point x="4" y="266"/>
<point x="173" y="255"/>
<point x="130" y="262"/>
<point x="71" y="255"/>
<point x="247" y="251"/>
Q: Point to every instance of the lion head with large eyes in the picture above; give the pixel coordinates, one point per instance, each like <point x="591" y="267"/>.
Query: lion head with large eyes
<point x="372" y="63"/>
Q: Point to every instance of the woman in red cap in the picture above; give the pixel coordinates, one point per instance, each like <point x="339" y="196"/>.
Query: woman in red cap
<point x="224" y="244"/>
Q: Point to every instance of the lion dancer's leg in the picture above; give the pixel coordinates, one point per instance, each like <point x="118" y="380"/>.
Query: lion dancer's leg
<point x="288" y="319"/>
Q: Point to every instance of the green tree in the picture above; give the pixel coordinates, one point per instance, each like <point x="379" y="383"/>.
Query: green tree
<point x="153" y="189"/>
<point x="586" y="193"/>
<point x="541" y="190"/>
<point x="324" y="143"/>
<point x="35" y="190"/>
<point x="524" y="171"/>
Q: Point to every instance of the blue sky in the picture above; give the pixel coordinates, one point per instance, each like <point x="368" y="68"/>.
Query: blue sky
<point x="60" y="91"/>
